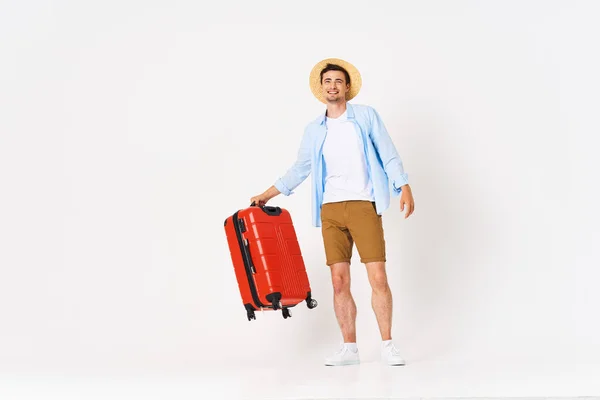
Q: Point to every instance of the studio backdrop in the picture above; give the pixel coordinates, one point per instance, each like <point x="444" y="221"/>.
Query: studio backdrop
<point x="129" y="133"/>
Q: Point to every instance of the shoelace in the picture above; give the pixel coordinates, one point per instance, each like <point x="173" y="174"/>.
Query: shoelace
<point x="393" y="350"/>
<point x="342" y="349"/>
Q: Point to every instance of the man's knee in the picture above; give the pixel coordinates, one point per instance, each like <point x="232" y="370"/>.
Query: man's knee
<point x="380" y="283"/>
<point x="378" y="277"/>
<point x="340" y="276"/>
<point x="341" y="284"/>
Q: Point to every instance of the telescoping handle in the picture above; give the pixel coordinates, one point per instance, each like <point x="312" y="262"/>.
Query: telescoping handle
<point x="270" y="210"/>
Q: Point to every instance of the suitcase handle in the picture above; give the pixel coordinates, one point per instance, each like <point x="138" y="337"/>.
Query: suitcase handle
<point x="248" y="256"/>
<point x="270" y="210"/>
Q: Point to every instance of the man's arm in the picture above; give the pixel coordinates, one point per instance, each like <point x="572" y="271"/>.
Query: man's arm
<point x="264" y="197"/>
<point x="293" y="177"/>
<point x="298" y="172"/>
<point x="392" y="163"/>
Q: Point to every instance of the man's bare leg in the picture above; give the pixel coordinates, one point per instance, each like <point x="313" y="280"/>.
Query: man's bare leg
<point x="381" y="298"/>
<point x="345" y="311"/>
<point x="343" y="302"/>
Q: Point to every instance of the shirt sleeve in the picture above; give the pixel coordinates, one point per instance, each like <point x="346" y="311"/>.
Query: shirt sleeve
<point x="392" y="163"/>
<point x="299" y="171"/>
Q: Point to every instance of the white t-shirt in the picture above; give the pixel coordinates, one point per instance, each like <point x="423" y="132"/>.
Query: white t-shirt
<point x="346" y="176"/>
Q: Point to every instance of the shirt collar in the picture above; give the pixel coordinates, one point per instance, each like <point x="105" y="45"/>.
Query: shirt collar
<point x="349" y="114"/>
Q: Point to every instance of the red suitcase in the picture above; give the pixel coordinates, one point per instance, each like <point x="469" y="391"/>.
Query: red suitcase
<point x="267" y="260"/>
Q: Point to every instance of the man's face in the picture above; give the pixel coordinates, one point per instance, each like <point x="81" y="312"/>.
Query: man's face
<point x="334" y="86"/>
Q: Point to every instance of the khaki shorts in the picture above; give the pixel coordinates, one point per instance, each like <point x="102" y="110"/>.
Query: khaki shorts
<point x="347" y="222"/>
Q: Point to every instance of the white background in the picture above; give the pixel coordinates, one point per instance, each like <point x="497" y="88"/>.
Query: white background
<point x="130" y="130"/>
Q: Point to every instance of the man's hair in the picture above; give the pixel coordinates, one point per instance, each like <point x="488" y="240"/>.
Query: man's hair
<point x="335" y="67"/>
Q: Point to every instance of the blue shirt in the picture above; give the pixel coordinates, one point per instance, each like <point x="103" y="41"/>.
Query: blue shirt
<point x="383" y="161"/>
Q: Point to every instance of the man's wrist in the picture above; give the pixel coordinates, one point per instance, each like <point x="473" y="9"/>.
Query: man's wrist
<point x="271" y="192"/>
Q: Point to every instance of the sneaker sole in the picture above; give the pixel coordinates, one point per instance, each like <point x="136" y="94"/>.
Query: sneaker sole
<point x="343" y="363"/>
<point x="394" y="364"/>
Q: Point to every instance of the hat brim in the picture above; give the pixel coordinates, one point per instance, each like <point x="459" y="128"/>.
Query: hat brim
<point x="315" y="78"/>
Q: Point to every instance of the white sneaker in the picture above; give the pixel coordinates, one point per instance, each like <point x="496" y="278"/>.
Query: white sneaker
<point x="390" y="355"/>
<point x="344" y="356"/>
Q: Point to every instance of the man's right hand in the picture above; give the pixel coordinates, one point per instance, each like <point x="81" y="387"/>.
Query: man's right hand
<point x="264" y="197"/>
<point x="259" y="200"/>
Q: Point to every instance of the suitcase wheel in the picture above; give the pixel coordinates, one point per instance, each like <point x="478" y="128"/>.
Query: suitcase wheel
<point x="312" y="303"/>
<point x="275" y="300"/>
<point x="286" y="313"/>
<point x="250" y="312"/>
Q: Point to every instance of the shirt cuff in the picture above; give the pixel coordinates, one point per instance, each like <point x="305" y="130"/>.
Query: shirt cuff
<point x="282" y="188"/>
<point x="397" y="184"/>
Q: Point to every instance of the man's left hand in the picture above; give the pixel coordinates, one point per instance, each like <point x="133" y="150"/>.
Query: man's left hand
<point x="406" y="200"/>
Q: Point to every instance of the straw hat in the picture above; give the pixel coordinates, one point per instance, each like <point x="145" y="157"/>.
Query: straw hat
<point x="315" y="78"/>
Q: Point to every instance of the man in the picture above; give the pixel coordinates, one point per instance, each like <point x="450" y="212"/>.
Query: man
<point x="354" y="164"/>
